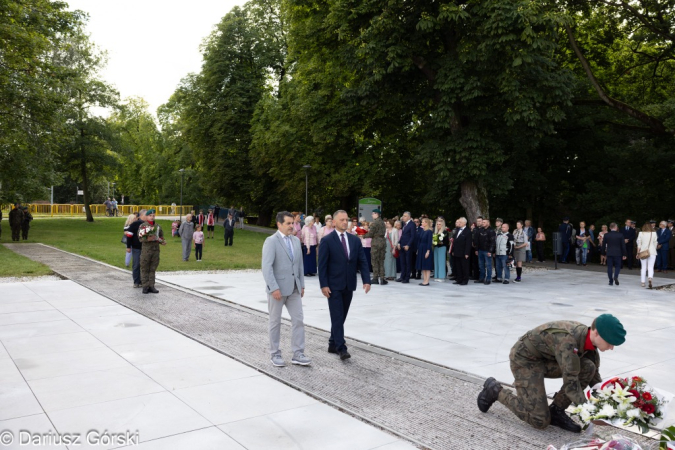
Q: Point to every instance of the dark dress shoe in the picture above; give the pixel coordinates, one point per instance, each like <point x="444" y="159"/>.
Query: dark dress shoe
<point x="375" y="281"/>
<point x="153" y="290"/>
<point x="422" y="284"/>
<point x="466" y="283"/>
<point x="405" y="282"/>
<point x="616" y="280"/>
<point x="479" y="281"/>
<point x="332" y="349"/>
<point x="611" y="283"/>
<point x="344" y="355"/>
<point x="384" y="281"/>
<point x="489" y="394"/>
<point x="487" y="282"/>
<point x="398" y="280"/>
<point x="562" y="420"/>
<point x="146" y="290"/>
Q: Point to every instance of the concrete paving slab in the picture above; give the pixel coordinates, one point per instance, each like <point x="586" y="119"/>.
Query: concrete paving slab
<point x="288" y="431"/>
<point x="205" y="439"/>
<point x="243" y="398"/>
<point x="59" y="378"/>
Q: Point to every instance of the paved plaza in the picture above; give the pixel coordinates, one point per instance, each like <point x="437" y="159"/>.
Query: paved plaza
<point x="72" y="361"/>
<point x="472" y="328"/>
<point x="95" y="354"/>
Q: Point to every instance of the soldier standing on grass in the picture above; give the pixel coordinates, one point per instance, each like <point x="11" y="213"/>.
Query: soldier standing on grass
<point x="25" y="224"/>
<point x="562" y="349"/>
<point x="377" y="232"/>
<point x="15" y="221"/>
<point x="150" y="252"/>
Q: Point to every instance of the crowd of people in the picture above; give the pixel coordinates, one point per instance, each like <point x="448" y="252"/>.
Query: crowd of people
<point x="405" y="248"/>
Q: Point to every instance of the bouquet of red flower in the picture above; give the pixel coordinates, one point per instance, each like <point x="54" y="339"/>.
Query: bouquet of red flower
<point x="360" y="231"/>
<point x="623" y="401"/>
<point x="149" y="233"/>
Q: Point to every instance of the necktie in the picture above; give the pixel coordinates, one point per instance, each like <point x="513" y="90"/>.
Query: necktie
<point x="344" y="246"/>
<point x="290" y="249"/>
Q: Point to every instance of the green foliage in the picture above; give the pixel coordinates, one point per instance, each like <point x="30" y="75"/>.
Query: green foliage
<point x="667" y="435"/>
<point x="31" y="93"/>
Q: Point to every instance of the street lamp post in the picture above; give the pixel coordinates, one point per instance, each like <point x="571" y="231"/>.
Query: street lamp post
<point x="113" y="196"/>
<point x="306" y="167"/>
<point x="180" y="218"/>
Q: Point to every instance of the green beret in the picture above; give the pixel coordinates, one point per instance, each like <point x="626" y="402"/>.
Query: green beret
<point x="610" y="329"/>
<point x="150" y="211"/>
<point x="377" y="211"/>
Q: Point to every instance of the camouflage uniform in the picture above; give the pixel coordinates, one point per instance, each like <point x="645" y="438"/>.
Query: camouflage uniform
<point x="378" y="246"/>
<point x="552" y="350"/>
<point x="25" y="224"/>
<point x="15" y="221"/>
<point x="149" y="257"/>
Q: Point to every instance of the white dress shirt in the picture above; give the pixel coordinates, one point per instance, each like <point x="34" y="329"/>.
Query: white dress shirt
<point x="287" y="242"/>
<point x="340" y="234"/>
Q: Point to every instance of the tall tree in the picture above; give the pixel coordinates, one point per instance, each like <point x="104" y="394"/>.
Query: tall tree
<point x="31" y="94"/>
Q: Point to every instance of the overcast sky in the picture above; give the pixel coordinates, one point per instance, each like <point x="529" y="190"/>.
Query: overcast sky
<point x="151" y="44"/>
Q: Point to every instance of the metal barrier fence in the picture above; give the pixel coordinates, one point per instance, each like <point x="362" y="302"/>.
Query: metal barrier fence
<point x="99" y="210"/>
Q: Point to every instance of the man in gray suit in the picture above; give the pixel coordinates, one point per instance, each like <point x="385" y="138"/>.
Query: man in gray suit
<point x="283" y="271"/>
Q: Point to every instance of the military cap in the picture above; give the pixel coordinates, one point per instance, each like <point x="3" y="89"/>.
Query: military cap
<point x="610" y="329"/>
<point x="377" y="211"/>
<point x="150" y="211"/>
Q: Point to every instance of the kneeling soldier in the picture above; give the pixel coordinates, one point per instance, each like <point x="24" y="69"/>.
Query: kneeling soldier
<point x="564" y="349"/>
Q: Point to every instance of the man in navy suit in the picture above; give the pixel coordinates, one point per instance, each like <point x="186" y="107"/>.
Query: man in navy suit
<point x="629" y="239"/>
<point x="615" y="248"/>
<point x="341" y="254"/>
<point x="405" y="247"/>
<point x="663" y="235"/>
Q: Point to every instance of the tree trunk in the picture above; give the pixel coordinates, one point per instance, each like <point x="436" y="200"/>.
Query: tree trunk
<point x="264" y="216"/>
<point x="474" y="199"/>
<point x="85" y="179"/>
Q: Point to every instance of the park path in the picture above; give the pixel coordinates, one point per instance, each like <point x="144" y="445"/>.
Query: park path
<point x="429" y="405"/>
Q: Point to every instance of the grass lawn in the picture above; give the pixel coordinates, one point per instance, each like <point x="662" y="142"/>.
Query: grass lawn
<point x="13" y="265"/>
<point x="101" y="240"/>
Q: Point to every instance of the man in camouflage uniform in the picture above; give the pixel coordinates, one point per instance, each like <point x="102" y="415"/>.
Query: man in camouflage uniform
<point x="15" y="221"/>
<point x="25" y="224"/>
<point x="378" y="247"/>
<point x="150" y="253"/>
<point x="562" y="349"/>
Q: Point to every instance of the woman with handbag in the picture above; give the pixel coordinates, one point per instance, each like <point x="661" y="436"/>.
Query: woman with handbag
<point x="646" y="244"/>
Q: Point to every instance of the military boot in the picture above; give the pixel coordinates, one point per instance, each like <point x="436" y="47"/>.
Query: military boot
<point x="383" y="281"/>
<point x="489" y="394"/>
<point x="153" y="290"/>
<point x="146" y="290"/>
<point x="374" y="281"/>
<point x="560" y="419"/>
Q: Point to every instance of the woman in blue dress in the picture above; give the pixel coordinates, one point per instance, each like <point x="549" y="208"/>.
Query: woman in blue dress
<point x="425" y="255"/>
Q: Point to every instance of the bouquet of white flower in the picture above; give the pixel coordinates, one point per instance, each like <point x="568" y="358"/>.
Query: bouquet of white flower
<point x="623" y="401"/>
